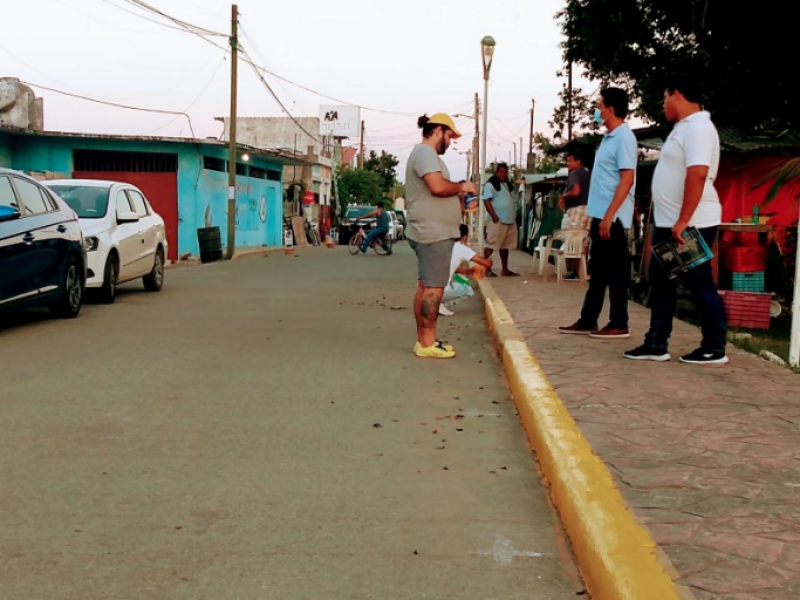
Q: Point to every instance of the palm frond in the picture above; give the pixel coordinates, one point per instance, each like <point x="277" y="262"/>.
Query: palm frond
<point x="786" y="174"/>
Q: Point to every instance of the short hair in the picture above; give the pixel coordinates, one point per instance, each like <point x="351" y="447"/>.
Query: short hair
<point x="427" y="127"/>
<point x="690" y="87"/>
<point x="463" y="230"/>
<point x="616" y="98"/>
<point x="576" y="154"/>
<point x="379" y="205"/>
<point x="501" y="165"/>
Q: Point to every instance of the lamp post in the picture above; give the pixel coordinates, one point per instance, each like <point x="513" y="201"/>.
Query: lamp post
<point x="487" y="53"/>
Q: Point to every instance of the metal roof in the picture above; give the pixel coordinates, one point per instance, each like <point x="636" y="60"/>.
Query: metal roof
<point x="532" y="178"/>
<point x="277" y="155"/>
<point x="731" y="140"/>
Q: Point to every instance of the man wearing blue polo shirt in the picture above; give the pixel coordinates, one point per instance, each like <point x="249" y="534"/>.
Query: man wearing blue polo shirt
<point x="611" y="210"/>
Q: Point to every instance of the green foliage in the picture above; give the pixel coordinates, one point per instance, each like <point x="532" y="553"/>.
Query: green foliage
<point x="358" y="186"/>
<point x="741" y="56"/>
<point x="384" y="165"/>
<point x="545" y="161"/>
<point x="787" y="174"/>
<point x="582" y="114"/>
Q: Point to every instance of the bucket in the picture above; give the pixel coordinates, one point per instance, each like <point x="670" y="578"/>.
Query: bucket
<point x="210" y="244"/>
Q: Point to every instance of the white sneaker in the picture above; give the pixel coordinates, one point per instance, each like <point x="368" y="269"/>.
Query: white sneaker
<point x="444" y="311"/>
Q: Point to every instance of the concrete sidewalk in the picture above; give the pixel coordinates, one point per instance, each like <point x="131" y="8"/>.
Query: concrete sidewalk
<point x="707" y="458"/>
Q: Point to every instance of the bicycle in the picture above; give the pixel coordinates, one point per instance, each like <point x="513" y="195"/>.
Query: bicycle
<point x="376" y="244"/>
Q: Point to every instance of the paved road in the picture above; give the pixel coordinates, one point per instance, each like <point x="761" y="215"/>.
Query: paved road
<point x="261" y="430"/>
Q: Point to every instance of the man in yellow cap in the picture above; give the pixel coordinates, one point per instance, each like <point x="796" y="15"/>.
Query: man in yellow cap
<point x="434" y="216"/>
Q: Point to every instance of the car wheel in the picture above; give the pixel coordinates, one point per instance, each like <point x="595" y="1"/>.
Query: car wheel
<point x="108" y="293"/>
<point x="69" y="302"/>
<point x="154" y="280"/>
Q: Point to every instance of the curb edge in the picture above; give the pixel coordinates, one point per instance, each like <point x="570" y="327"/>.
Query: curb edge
<point x="617" y="557"/>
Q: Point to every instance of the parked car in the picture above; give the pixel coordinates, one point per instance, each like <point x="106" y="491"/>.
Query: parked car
<point x="398" y="231"/>
<point x="402" y="218"/>
<point x="124" y="237"/>
<point x="351" y="221"/>
<point x="42" y="259"/>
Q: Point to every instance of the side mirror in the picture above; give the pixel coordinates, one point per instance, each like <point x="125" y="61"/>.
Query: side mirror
<point x="127" y="217"/>
<point x="8" y="213"/>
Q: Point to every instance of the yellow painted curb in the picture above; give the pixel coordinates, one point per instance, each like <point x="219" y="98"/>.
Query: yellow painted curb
<point x="617" y="557"/>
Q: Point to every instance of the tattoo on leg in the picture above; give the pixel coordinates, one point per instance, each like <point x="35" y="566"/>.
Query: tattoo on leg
<point x="430" y="307"/>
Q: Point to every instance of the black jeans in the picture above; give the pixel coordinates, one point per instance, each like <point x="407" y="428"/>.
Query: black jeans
<point x="609" y="267"/>
<point x="663" y="299"/>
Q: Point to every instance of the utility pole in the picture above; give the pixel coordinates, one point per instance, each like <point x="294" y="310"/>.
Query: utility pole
<point x="569" y="101"/>
<point x="361" y="153"/>
<point x="476" y="178"/>
<point x="531" y="160"/>
<point x="530" y="144"/>
<point x="232" y="136"/>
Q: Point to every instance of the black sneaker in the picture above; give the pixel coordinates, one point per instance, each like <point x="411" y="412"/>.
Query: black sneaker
<point x="645" y="352"/>
<point x="704" y="357"/>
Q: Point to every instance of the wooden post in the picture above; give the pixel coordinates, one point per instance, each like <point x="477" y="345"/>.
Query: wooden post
<point x="231" y="246"/>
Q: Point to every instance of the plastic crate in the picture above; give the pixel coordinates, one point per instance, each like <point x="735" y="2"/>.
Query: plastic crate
<point x="752" y="281"/>
<point x="743" y="259"/>
<point x="747" y="309"/>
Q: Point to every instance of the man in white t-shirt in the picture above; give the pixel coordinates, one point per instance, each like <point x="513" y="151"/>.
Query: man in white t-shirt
<point x="461" y="254"/>
<point x="684" y="195"/>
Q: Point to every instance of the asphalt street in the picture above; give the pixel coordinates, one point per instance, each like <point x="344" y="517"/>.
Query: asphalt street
<point x="261" y="429"/>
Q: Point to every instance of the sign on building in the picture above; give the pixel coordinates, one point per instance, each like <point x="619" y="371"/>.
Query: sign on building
<point x="340" y="121"/>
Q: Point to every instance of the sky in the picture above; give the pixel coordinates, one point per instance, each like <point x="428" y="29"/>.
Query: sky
<point x="395" y="59"/>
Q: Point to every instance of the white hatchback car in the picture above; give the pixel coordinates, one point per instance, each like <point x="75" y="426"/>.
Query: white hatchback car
<point x="124" y="237"/>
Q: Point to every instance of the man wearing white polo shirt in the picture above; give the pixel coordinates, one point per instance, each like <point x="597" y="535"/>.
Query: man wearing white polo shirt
<point x="684" y="195"/>
<point x="611" y="209"/>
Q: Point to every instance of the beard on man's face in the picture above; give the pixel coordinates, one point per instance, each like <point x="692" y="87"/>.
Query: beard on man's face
<point x="441" y="148"/>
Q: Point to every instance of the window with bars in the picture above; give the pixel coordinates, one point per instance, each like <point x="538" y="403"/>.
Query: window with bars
<point x="214" y="164"/>
<point x="127" y="162"/>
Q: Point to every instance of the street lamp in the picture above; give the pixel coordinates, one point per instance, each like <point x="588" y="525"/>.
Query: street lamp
<point x="487" y="53"/>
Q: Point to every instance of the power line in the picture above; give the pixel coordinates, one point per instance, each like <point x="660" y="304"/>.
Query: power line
<point x="180" y="23"/>
<point x="249" y="61"/>
<point x="186" y="110"/>
<point x="202" y="33"/>
<point x="141" y="16"/>
<point x="114" y="104"/>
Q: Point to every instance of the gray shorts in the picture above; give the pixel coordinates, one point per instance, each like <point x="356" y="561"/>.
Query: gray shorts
<point x="433" y="262"/>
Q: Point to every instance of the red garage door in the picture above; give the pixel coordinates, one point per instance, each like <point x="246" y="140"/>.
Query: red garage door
<point x="155" y="174"/>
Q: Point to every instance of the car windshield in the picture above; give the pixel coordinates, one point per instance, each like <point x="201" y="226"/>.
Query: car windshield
<point x="356" y="212"/>
<point x="88" y="202"/>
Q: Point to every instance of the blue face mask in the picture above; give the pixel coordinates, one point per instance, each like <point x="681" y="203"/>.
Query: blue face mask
<point x="597" y="118"/>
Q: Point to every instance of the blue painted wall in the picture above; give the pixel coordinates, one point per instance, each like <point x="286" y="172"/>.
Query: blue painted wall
<point x="199" y="190"/>
<point x="6" y="150"/>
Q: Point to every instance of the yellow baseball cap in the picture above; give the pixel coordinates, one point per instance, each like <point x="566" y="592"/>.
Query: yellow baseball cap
<point x="447" y="121"/>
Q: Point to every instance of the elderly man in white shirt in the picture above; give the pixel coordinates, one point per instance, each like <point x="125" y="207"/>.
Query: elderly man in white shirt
<point x="684" y="195"/>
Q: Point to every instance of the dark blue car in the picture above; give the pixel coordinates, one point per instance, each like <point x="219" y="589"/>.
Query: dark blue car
<point x="42" y="259"/>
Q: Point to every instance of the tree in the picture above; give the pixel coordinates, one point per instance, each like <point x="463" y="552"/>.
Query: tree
<point x="384" y="165"/>
<point x="740" y="56"/>
<point x="546" y="162"/>
<point x="582" y="117"/>
<point x="358" y="186"/>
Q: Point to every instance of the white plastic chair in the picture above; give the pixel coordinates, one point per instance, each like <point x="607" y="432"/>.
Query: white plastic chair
<point x="545" y="249"/>
<point x="538" y="255"/>
<point x="574" y="246"/>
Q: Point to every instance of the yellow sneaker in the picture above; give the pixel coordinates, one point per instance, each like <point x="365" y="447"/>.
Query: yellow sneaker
<point x="448" y="347"/>
<point x="438" y="350"/>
